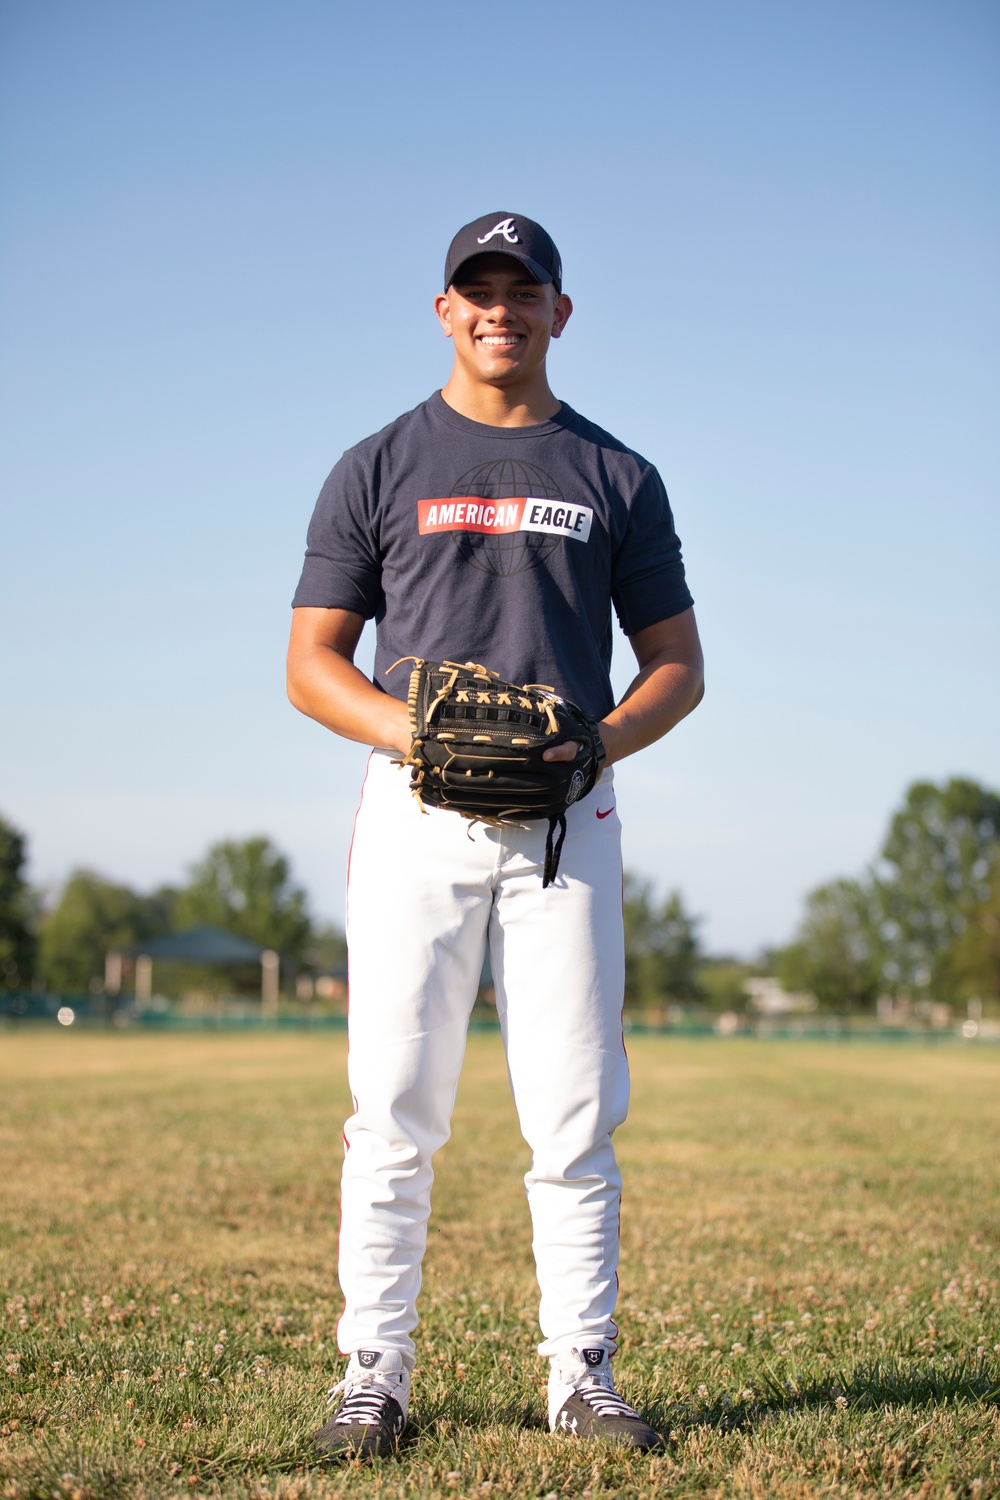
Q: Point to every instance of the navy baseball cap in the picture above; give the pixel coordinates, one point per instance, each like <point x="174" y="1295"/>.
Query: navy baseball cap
<point x="506" y="234"/>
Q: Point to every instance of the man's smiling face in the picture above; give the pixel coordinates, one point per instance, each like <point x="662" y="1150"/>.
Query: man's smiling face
<point x="501" y="320"/>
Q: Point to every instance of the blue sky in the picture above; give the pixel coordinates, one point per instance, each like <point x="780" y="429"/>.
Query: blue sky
<point x="225" y="226"/>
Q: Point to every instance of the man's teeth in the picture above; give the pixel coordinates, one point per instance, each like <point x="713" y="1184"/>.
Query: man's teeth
<point x="499" y="340"/>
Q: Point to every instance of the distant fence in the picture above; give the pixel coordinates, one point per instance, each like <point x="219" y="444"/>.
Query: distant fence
<point x="92" y="1011"/>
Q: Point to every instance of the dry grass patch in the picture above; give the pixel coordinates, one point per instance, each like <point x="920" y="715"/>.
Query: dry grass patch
<point x="809" y="1279"/>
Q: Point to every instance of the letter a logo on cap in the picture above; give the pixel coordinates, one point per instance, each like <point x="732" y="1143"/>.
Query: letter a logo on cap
<point x="506" y="228"/>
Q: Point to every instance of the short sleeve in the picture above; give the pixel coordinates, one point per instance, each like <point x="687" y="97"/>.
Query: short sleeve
<point x="342" y="567"/>
<point x="647" y="579"/>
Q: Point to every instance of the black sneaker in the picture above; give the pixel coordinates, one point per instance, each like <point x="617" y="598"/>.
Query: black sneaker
<point x="583" y="1403"/>
<point x="369" y="1421"/>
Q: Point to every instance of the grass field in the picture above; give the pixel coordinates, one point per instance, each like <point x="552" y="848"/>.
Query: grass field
<point x="809" y="1300"/>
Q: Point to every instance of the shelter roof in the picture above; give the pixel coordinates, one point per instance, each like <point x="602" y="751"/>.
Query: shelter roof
<point x="200" y="945"/>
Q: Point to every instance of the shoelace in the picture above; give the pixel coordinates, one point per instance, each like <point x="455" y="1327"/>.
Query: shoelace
<point x="605" y="1401"/>
<point x="364" y="1402"/>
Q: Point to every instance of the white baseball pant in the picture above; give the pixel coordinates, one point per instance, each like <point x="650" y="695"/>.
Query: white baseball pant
<point x="426" y="892"/>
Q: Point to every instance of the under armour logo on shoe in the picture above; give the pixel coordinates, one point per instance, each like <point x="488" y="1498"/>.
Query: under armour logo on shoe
<point x="506" y="228"/>
<point x="368" y="1358"/>
<point x="593" y="1356"/>
<point x="566" y="1423"/>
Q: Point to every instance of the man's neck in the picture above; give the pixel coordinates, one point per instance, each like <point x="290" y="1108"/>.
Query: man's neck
<point x="520" y="406"/>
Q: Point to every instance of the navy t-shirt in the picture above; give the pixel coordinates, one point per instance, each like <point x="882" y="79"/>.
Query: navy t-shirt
<point x="501" y="545"/>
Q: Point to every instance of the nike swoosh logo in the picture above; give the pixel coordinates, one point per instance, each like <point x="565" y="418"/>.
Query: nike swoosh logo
<point x="605" y="814"/>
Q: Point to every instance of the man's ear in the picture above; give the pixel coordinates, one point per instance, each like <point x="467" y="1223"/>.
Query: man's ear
<point x="561" y="314"/>
<point x="443" y="309"/>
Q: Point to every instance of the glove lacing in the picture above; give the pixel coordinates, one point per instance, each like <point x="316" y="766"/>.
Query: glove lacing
<point x="553" y="849"/>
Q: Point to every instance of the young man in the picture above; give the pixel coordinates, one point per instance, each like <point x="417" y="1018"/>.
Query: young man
<point x="491" y="524"/>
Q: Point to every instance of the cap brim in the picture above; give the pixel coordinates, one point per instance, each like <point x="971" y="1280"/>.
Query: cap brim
<point x="538" y="272"/>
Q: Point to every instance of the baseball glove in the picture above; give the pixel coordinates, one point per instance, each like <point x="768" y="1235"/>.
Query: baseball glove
<point x="477" y="749"/>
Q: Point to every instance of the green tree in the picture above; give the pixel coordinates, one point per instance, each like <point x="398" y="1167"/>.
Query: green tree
<point x="327" y="950"/>
<point x="973" y="964"/>
<point x="246" y="888"/>
<point x="722" y="981"/>
<point x="937" y="863"/>
<point x="921" y="921"/>
<point x="837" y="952"/>
<point x="662" y="950"/>
<point x="92" y="916"/>
<point x="17" y="911"/>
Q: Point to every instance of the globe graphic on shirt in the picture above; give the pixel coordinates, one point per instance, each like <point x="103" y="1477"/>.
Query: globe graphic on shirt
<point x="516" y="552"/>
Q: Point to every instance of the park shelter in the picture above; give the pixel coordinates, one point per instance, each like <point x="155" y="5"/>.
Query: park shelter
<point x="209" y="946"/>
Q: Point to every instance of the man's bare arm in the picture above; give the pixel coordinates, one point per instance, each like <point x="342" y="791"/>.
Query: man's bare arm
<point x="324" y="683"/>
<point x="669" y="684"/>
